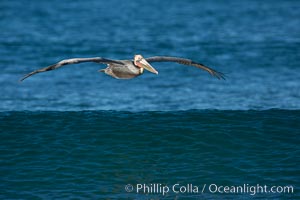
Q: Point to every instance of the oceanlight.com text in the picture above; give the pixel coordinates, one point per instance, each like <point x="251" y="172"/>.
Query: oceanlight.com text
<point x="163" y="189"/>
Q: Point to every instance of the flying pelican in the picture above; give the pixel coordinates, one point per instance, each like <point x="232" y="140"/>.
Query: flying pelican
<point x="127" y="69"/>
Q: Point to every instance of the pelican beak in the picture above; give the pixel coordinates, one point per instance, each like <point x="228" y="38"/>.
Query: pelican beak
<point x="144" y="64"/>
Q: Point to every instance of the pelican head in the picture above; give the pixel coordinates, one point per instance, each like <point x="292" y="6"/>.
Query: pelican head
<point x="141" y="62"/>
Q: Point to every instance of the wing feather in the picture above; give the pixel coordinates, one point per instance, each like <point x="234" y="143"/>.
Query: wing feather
<point x="189" y="62"/>
<point x="68" y="62"/>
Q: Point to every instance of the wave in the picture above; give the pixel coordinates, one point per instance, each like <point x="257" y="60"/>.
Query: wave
<point x="110" y="120"/>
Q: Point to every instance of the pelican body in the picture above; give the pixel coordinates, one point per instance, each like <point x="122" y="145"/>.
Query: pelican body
<point x="128" y="69"/>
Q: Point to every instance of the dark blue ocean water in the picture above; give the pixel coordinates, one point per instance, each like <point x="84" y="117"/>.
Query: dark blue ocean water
<point x="94" y="154"/>
<point x="75" y="133"/>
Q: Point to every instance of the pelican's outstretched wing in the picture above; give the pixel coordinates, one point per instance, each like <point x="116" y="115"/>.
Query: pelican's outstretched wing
<point x="71" y="61"/>
<point x="185" y="61"/>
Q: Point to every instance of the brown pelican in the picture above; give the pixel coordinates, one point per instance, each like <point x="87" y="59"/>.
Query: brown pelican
<point x="127" y="69"/>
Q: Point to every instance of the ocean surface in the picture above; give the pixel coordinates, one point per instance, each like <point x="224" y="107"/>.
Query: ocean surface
<point x="74" y="133"/>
